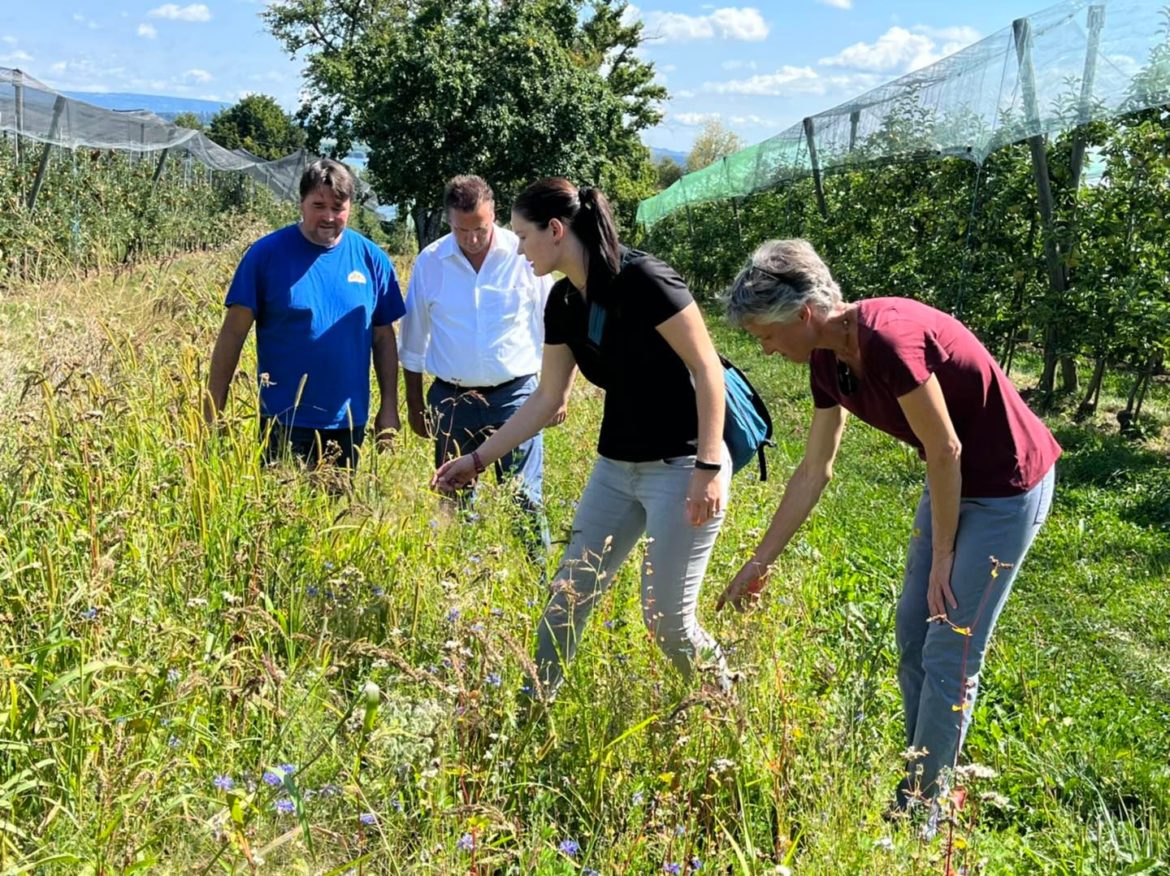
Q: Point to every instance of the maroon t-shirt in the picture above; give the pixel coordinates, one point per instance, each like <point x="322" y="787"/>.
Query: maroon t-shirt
<point x="1007" y="449"/>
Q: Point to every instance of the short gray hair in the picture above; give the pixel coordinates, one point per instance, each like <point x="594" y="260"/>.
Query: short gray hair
<point x="780" y="278"/>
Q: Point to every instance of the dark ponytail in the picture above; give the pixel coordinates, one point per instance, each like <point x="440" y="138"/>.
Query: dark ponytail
<point x="586" y="212"/>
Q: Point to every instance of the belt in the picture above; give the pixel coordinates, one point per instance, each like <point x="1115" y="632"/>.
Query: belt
<point x="459" y="387"/>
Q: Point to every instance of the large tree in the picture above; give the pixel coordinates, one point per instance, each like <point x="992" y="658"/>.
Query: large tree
<point x="510" y="89"/>
<point x="714" y="142"/>
<point x="258" y="124"/>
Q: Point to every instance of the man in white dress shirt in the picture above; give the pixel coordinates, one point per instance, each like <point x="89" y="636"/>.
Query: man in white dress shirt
<point x="475" y="321"/>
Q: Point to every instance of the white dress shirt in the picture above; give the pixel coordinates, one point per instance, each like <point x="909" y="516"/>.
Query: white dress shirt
<point x="473" y="328"/>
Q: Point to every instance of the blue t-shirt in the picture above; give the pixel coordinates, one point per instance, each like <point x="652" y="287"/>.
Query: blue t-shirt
<point x="315" y="310"/>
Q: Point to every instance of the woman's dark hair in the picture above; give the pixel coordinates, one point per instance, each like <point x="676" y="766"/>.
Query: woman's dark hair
<point x="586" y="212"/>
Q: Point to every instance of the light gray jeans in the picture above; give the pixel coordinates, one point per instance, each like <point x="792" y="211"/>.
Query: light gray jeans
<point x="622" y="501"/>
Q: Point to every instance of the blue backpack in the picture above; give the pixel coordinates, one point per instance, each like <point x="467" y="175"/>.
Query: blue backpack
<point x="747" y="425"/>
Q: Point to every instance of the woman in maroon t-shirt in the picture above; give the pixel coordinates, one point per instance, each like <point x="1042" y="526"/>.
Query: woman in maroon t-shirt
<point x="921" y="376"/>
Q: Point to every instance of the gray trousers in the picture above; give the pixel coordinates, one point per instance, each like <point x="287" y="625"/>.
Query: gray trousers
<point x="622" y="501"/>
<point x="939" y="663"/>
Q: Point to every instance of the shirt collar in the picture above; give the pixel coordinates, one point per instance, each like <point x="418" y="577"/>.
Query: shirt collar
<point x="450" y="247"/>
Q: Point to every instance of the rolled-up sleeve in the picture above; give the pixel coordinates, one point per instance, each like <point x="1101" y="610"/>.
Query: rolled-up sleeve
<point x="415" y="330"/>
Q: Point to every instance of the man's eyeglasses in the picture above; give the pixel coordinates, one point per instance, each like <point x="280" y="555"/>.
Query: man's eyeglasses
<point x="846" y="379"/>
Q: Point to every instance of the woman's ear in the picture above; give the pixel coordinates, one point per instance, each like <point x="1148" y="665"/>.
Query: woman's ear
<point x="557" y="227"/>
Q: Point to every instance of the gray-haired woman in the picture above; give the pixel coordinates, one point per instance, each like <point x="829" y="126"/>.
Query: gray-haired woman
<point x="921" y="376"/>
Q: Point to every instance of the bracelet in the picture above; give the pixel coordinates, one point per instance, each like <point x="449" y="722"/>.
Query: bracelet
<point x="708" y="466"/>
<point x="477" y="462"/>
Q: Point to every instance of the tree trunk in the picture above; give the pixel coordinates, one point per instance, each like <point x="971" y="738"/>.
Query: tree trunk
<point x="1068" y="373"/>
<point x="427" y="225"/>
<point x="1088" y="405"/>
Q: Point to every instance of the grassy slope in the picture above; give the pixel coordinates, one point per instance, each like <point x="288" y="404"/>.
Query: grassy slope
<point x="172" y="613"/>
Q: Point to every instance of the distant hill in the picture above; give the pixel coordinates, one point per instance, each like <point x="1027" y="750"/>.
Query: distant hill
<point x="160" y="105"/>
<point x="657" y="154"/>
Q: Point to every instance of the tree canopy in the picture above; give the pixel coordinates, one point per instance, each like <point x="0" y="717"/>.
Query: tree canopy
<point x="513" y="90"/>
<point x="714" y="142"/>
<point x="258" y="124"/>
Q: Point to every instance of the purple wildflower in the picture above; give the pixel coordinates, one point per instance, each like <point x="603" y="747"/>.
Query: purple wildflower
<point x="312" y="591"/>
<point x="89" y="614"/>
<point x="493" y="678"/>
<point x="696" y="864"/>
<point x="272" y="778"/>
<point x="672" y="868"/>
<point x="368" y="818"/>
<point x="452" y="615"/>
<point x="285" y="807"/>
<point x="465" y="843"/>
<point x="569" y="847"/>
<point x="224" y="783"/>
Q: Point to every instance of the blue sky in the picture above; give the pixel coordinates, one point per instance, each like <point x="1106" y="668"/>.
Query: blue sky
<point x="759" y="68"/>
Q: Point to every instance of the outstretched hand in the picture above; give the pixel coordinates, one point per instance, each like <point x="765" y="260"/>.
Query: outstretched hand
<point x="454" y="474"/>
<point x="744" y="590"/>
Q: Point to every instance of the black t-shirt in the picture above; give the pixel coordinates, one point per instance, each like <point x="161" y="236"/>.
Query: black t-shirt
<point x="650" y="410"/>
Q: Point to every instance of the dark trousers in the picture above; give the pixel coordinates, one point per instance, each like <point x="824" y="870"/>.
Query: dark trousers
<point x="462" y="419"/>
<point x="314" y="447"/>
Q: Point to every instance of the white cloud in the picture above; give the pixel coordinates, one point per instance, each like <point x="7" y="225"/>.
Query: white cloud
<point x="786" y="80"/>
<point x="754" y="121"/>
<point x="902" y="49"/>
<point x="693" y="120"/>
<point x="731" y="23"/>
<point x="839" y="4"/>
<point x="88" y="22"/>
<point x="147" y="31"/>
<point x="738" y="65"/>
<point x="197" y="75"/>
<point x="683" y="93"/>
<point x="174" y="12"/>
<point x="789" y="81"/>
<point x="18" y="57"/>
<point x="11" y="40"/>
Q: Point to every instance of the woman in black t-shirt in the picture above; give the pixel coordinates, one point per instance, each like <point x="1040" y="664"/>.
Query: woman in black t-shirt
<point x="628" y="322"/>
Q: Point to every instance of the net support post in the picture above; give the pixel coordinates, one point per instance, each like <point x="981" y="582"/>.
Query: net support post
<point x="58" y="108"/>
<point x="158" y="171"/>
<point x="818" y="183"/>
<point x="1077" y="160"/>
<point x="1057" y="281"/>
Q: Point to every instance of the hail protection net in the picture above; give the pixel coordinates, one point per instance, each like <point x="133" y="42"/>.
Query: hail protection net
<point x="1074" y="63"/>
<point x="32" y="110"/>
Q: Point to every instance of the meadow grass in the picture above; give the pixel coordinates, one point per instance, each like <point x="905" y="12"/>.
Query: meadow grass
<point x="209" y="666"/>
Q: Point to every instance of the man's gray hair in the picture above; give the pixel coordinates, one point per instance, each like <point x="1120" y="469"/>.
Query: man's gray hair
<point x="780" y="278"/>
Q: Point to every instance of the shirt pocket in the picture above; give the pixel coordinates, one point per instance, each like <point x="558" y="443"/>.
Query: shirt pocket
<point x="506" y="302"/>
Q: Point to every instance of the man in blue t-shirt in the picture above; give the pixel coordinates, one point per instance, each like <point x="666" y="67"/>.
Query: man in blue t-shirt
<point x="323" y="297"/>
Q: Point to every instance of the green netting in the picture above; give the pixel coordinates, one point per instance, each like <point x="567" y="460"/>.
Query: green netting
<point x="1052" y="71"/>
<point x="32" y="110"/>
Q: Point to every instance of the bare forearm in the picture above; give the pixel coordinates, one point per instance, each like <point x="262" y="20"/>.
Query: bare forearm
<point x="944" y="475"/>
<point x="709" y="396"/>
<point x="413" y="381"/>
<point x="386" y="367"/>
<point x="225" y="356"/>
<point x="800" y="496"/>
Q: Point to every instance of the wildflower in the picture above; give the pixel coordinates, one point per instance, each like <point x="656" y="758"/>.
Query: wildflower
<point x="885" y="844"/>
<point x="465" y="843"/>
<point x="637" y="798"/>
<point x="680" y="830"/>
<point x="379" y="592"/>
<point x="368" y="818"/>
<point x="288" y="768"/>
<point x="672" y="868"/>
<point x="397" y="804"/>
<point x="173" y="676"/>
<point x="976" y="771"/>
<point x="89" y="614"/>
<point x="312" y="591"/>
<point x="452" y="615"/>
<point x="272" y="778"/>
<point x="569" y="847"/>
<point x="477" y="628"/>
<point x="285" y="807"/>
<point x="493" y="678"/>
<point x="696" y="864"/>
<point x="589" y="871"/>
<point x="433" y="523"/>
<point x="224" y="783"/>
<point x="608" y="624"/>
<point x="173" y="742"/>
<point x="497" y="612"/>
